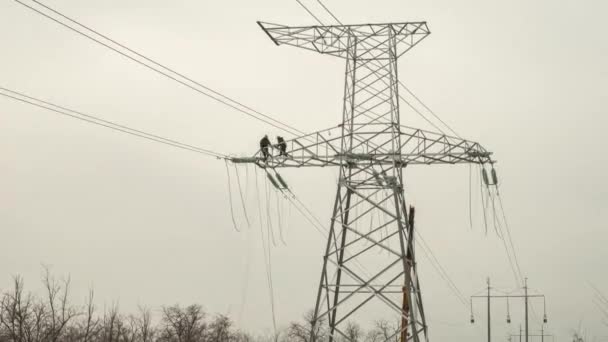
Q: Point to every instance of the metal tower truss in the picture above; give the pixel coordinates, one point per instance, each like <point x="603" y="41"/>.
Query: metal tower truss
<point x="369" y="266"/>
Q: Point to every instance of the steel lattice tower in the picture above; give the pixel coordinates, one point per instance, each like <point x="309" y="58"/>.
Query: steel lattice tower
<point x="369" y="265"/>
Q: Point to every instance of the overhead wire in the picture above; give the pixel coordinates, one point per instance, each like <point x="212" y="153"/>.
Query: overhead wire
<point x="441" y="270"/>
<point x="309" y="12"/>
<point x="238" y="180"/>
<point x="279" y="224"/>
<point x="23" y="98"/>
<point x="429" y="110"/>
<point x="268" y="219"/>
<point x="470" y="196"/>
<point x="168" y="72"/>
<point x="509" y="237"/>
<point x="328" y="11"/>
<point x="230" y="198"/>
<point x="267" y="256"/>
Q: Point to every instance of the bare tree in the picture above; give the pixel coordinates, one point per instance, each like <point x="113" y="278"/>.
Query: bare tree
<point x="353" y="332"/>
<point x="60" y="312"/>
<point x="219" y="329"/>
<point x="111" y="325"/>
<point x="183" y="324"/>
<point x="301" y="332"/>
<point x="88" y="328"/>
<point x="16" y="312"/>
<point x="383" y="331"/>
<point x="241" y="336"/>
<point x="144" y="325"/>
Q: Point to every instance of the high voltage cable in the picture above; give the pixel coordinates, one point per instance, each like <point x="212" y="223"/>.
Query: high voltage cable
<point x="176" y="75"/>
<point x="330" y="13"/>
<point x="21" y="97"/>
<point x="508" y="229"/>
<point x="429" y="109"/>
<point x="441" y="270"/>
<point x="309" y="12"/>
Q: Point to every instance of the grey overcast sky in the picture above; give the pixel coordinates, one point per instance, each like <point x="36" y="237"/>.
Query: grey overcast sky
<point x="145" y="223"/>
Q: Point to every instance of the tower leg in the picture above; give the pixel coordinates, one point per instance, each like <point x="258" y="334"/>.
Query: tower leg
<point x="369" y="227"/>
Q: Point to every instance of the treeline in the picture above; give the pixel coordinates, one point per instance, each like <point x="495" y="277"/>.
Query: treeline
<point x="52" y="317"/>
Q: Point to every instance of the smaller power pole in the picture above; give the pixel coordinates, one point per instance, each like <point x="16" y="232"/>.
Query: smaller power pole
<point x="526" y="300"/>
<point x="489" y="316"/>
<point x="542" y="333"/>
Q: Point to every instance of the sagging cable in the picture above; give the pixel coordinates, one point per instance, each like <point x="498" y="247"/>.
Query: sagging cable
<point x="238" y="180"/>
<point x="230" y="198"/>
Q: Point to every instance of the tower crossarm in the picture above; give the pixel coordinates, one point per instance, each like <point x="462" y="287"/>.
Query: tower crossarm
<point x="337" y="39"/>
<point x="371" y="146"/>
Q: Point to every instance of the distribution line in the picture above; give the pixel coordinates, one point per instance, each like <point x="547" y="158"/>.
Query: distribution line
<point x="168" y="72"/>
<point x="21" y="97"/>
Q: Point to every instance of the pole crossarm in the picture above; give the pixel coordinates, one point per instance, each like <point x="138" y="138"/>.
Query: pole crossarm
<point x="509" y="296"/>
<point x="418" y="147"/>
<point x="334" y="40"/>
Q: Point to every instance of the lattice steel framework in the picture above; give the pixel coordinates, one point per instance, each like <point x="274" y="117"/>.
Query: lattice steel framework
<point x="369" y="268"/>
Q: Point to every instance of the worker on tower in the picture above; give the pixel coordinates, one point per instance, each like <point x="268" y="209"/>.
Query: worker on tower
<point x="282" y="145"/>
<point x="264" y="145"/>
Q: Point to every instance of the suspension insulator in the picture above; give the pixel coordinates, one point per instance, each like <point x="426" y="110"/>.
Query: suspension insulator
<point x="282" y="181"/>
<point x="494" y="177"/>
<point x="472" y="319"/>
<point x="274" y="182"/>
<point x="484" y="174"/>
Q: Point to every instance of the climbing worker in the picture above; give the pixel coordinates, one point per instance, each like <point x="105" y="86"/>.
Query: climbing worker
<point x="282" y="145"/>
<point x="264" y="145"/>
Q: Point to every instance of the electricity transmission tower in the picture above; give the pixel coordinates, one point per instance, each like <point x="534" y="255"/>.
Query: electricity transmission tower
<point x="369" y="265"/>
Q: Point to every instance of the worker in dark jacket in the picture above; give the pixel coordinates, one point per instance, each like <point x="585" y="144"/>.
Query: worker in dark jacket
<point x="264" y="145"/>
<point x="282" y="145"/>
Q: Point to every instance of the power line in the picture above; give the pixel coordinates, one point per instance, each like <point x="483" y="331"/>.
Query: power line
<point x="23" y="98"/>
<point x="309" y="12"/>
<point x="508" y="229"/>
<point x="219" y="97"/>
<point x="429" y="110"/>
<point x="330" y="13"/>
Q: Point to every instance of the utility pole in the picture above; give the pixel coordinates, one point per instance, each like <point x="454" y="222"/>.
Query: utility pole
<point x="542" y="333"/>
<point x="489" y="316"/>
<point x="371" y="149"/>
<point x="526" y="298"/>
